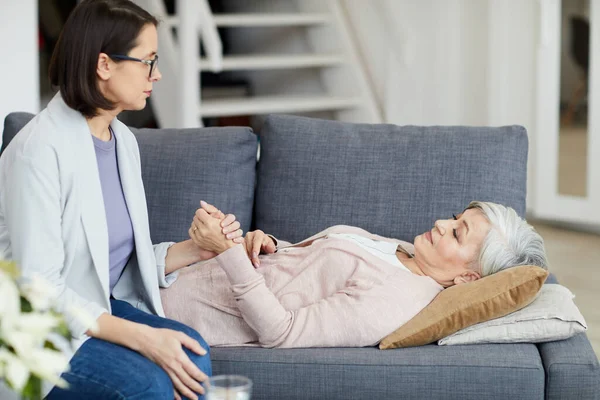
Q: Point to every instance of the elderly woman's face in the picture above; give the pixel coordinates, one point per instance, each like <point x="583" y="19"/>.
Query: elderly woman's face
<point x="446" y="252"/>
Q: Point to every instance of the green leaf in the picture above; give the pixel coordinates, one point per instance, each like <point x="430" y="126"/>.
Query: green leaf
<point x="63" y="330"/>
<point x="33" y="389"/>
<point x="25" y="305"/>
<point x="49" y="345"/>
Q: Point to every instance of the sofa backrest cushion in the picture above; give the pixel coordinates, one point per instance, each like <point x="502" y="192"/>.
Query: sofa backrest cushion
<point x="391" y="180"/>
<point x="180" y="167"/>
<point x="13" y="123"/>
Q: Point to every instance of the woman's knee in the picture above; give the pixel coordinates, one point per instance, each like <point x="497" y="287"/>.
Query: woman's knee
<point x="194" y="334"/>
<point x="191" y="332"/>
<point x="202" y="362"/>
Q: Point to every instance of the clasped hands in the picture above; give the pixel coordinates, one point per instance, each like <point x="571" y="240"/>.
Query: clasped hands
<point x="212" y="231"/>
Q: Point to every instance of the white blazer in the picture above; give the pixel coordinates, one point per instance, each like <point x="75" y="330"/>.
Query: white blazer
<point x="53" y="222"/>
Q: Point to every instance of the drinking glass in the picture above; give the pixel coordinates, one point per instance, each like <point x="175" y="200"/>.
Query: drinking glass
<point x="229" y="387"/>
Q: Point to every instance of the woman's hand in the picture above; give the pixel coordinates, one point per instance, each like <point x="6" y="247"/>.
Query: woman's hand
<point x="231" y="227"/>
<point x="206" y="232"/>
<point x="165" y="348"/>
<point x="256" y="243"/>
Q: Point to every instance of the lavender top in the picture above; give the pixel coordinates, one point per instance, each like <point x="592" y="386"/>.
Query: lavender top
<point x="120" y="230"/>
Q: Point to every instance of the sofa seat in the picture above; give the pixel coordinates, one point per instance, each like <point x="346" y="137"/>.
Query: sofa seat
<point x="491" y="371"/>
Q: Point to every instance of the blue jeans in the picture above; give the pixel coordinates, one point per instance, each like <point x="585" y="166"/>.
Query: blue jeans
<point x="104" y="370"/>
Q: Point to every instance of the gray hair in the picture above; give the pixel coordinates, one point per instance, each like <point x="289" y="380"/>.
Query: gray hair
<point x="510" y="242"/>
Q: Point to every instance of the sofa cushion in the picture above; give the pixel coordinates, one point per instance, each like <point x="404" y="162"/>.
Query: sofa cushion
<point x="13" y="123"/>
<point x="180" y="167"/>
<point x="391" y="180"/>
<point x="493" y="371"/>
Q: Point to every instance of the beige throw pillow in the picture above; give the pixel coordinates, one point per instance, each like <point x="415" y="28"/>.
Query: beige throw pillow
<point x="551" y="316"/>
<point x="467" y="304"/>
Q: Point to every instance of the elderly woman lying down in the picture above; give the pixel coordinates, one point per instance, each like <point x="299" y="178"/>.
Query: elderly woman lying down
<point x="342" y="287"/>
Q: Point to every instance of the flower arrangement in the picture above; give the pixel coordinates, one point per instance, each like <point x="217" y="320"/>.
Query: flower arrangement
<point x="31" y="334"/>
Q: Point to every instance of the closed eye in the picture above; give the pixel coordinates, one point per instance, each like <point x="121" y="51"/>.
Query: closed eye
<point x="454" y="230"/>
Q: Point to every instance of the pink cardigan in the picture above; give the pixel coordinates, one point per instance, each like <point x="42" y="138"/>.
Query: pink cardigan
<point x="316" y="293"/>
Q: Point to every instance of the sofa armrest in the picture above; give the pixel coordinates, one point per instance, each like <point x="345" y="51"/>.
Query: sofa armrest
<point x="572" y="369"/>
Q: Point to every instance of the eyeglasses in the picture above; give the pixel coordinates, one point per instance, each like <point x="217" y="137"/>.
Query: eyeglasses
<point x="152" y="63"/>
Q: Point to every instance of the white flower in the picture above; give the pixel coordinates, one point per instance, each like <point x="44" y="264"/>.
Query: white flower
<point x="39" y="292"/>
<point x="83" y="317"/>
<point x="48" y="365"/>
<point x="37" y="324"/>
<point x="28" y="331"/>
<point x="22" y="342"/>
<point x="10" y="300"/>
<point x="25" y="333"/>
<point x="16" y="372"/>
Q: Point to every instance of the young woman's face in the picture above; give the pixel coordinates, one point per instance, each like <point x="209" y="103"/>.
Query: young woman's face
<point x="447" y="251"/>
<point x="130" y="84"/>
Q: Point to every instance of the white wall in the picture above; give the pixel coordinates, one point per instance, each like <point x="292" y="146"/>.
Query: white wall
<point x="427" y="58"/>
<point x="19" y="69"/>
<point x="513" y="45"/>
<point x="452" y="62"/>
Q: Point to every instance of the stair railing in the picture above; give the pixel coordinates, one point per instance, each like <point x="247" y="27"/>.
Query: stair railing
<point x="176" y="100"/>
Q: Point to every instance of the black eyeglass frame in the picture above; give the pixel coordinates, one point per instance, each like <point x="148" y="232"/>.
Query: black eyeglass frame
<point x="152" y="63"/>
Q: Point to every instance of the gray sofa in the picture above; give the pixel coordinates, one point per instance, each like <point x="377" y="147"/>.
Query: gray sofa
<point x="390" y="180"/>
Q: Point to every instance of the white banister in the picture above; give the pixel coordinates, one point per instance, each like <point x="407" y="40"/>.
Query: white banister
<point x="188" y="12"/>
<point x="371" y="110"/>
<point x="210" y="37"/>
<point x="165" y="93"/>
<point x="176" y="99"/>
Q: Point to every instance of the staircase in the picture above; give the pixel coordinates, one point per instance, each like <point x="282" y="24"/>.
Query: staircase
<point x="297" y="57"/>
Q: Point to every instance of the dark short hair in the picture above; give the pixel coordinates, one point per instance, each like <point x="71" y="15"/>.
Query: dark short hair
<point x="93" y="27"/>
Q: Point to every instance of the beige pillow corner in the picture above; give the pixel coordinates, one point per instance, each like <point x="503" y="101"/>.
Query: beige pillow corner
<point x="460" y="306"/>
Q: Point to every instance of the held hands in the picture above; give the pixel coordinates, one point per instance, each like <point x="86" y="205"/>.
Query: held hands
<point x="214" y="232"/>
<point x="210" y="231"/>
<point x="230" y="228"/>
<point x="165" y="348"/>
